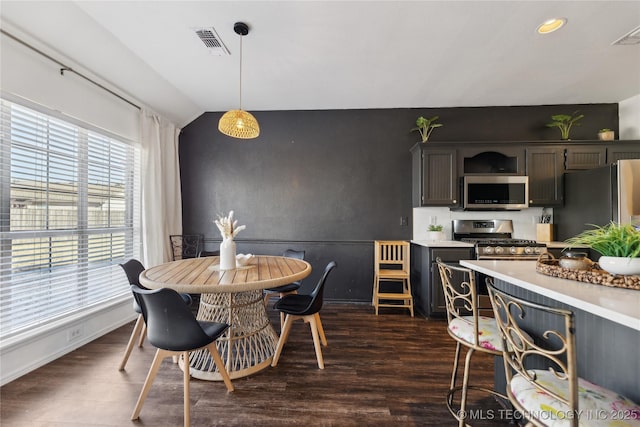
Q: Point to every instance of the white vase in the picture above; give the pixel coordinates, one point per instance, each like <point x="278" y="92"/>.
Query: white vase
<point x="620" y="265"/>
<point x="227" y="254"/>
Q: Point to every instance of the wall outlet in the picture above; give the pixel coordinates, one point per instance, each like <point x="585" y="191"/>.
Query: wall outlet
<point x="75" y="333"/>
<point x="404" y="221"/>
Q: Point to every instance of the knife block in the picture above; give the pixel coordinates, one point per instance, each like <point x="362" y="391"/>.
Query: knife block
<point x="544" y="232"/>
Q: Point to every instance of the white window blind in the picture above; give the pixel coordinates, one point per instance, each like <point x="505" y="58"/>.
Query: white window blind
<point x="69" y="209"/>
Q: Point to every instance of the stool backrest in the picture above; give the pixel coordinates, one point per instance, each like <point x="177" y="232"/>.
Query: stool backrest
<point x="554" y="349"/>
<point x="460" y="293"/>
<point x="391" y="253"/>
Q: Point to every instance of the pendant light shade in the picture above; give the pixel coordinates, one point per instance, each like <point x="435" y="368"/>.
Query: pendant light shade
<point x="239" y="123"/>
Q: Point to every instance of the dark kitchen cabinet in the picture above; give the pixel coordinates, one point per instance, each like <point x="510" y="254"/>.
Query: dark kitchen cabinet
<point x="585" y="157"/>
<point x="621" y="151"/>
<point x="425" y="279"/>
<point x="492" y="159"/>
<point x="545" y="167"/>
<point x="435" y="177"/>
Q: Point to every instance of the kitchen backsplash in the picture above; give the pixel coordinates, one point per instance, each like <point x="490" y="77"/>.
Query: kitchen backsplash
<point x="524" y="221"/>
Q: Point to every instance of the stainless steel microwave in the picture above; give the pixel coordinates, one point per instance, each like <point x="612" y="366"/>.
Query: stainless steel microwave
<point x="495" y="192"/>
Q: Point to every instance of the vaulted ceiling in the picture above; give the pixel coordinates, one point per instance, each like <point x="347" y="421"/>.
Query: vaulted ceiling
<point x="302" y="55"/>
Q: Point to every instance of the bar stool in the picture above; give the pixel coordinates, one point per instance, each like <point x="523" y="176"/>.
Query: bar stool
<point x="542" y="376"/>
<point x="468" y="328"/>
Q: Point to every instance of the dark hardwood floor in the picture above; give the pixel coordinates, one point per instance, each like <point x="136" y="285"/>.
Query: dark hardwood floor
<point x="381" y="370"/>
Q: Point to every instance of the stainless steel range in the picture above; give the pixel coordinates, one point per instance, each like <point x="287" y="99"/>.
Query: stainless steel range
<point x="492" y="239"/>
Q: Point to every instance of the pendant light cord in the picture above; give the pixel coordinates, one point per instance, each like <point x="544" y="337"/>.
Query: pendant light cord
<point x="240" y="72"/>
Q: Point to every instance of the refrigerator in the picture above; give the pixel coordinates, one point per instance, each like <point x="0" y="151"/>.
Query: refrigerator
<point x="599" y="196"/>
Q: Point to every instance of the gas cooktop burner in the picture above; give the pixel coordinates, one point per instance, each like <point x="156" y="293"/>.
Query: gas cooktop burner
<point x="502" y="242"/>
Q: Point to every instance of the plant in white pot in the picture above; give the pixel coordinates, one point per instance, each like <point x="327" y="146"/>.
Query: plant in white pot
<point x="434" y="232"/>
<point x="619" y="245"/>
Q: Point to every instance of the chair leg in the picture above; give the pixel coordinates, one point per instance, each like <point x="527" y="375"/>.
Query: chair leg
<point x="465" y="385"/>
<point x="316" y="340"/>
<point x="410" y="300"/>
<point x="143" y="335"/>
<point x="267" y="297"/>
<point x="323" y="338"/>
<point x="213" y="349"/>
<point x="283" y="338"/>
<point x="139" y="326"/>
<point x="186" y="389"/>
<point x="454" y="373"/>
<point x="376" y="289"/>
<point x="153" y="371"/>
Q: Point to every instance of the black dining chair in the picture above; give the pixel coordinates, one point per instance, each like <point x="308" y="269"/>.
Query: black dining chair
<point x="305" y="307"/>
<point x="174" y="330"/>
<point x="132" y="269"/>
<point x="289" y="288"/>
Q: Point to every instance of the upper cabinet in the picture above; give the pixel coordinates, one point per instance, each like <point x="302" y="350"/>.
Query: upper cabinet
<point x="438" y="167"/>
<point x="435" y="177"/>
<point x="623" y="150"/>
<point x="491" y="159"/>
<point x="585" y="156"/>
<point x="545" y="169"/>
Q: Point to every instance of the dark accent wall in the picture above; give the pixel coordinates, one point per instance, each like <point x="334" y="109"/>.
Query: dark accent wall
<point x="330" y="182"/>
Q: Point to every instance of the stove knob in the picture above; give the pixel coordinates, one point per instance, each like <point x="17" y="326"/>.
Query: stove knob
<point x="513" y="250"/>
<point x="499" y="250"/>
<point x="528" y="250"/>
<point x="538" y="250"/>
<point x="488" y="250"/>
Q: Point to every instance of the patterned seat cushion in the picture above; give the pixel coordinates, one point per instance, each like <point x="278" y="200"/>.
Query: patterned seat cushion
<point x="597" y="406"/>
<point x="488" y="334"/>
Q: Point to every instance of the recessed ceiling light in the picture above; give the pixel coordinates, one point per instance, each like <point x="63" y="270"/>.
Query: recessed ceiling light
<point x="551" y="25"/>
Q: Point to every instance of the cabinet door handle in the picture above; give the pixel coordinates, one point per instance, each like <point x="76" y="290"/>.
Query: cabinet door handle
<point x="455" y="201"/>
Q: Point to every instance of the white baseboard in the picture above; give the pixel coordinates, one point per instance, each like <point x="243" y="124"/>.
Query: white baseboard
<point x="21" y="356"/>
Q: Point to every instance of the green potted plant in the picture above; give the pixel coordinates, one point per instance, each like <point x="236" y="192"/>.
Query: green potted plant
<point x="434" y="232"/>
<point x="606" y="134"/>
<point x="619" y="245"/>
<point x="426" y="126"/>
<point x="564" y="122"/>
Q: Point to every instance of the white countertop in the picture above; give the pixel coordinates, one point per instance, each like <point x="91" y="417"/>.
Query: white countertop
<point x="442" y="243"/>
<point x="616" y="304"/>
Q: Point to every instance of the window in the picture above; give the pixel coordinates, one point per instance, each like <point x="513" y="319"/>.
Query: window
<point x="69" y="209"/>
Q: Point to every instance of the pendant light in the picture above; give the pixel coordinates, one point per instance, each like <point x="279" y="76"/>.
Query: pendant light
<point x="239" y="123"/>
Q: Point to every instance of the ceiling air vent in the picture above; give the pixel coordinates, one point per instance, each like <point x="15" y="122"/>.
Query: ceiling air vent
<point x="212" y="41"/>
<point x="632" y="37"/>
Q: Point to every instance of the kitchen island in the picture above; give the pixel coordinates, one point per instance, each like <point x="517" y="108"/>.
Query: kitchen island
<point x="607" y="321"/>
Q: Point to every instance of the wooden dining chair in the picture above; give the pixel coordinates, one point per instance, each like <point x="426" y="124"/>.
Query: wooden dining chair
<point x="392" y="264"/>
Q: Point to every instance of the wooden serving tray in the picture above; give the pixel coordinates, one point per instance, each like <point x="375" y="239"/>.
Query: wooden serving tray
<point x="549" y="266"/>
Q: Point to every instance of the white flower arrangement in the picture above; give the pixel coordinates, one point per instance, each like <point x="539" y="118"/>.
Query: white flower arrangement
<point x="228" y="227"/>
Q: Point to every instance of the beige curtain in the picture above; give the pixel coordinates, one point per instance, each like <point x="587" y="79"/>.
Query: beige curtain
<point x="161" y="196"/>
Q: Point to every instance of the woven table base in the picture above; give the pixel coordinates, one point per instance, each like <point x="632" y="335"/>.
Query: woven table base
<point x="249" y="343"/>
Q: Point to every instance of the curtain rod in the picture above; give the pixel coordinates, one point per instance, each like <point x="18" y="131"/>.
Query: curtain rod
<point x="67" y="68"/>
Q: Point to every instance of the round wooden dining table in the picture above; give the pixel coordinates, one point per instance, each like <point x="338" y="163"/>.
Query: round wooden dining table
<point x="234" y="297"/>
